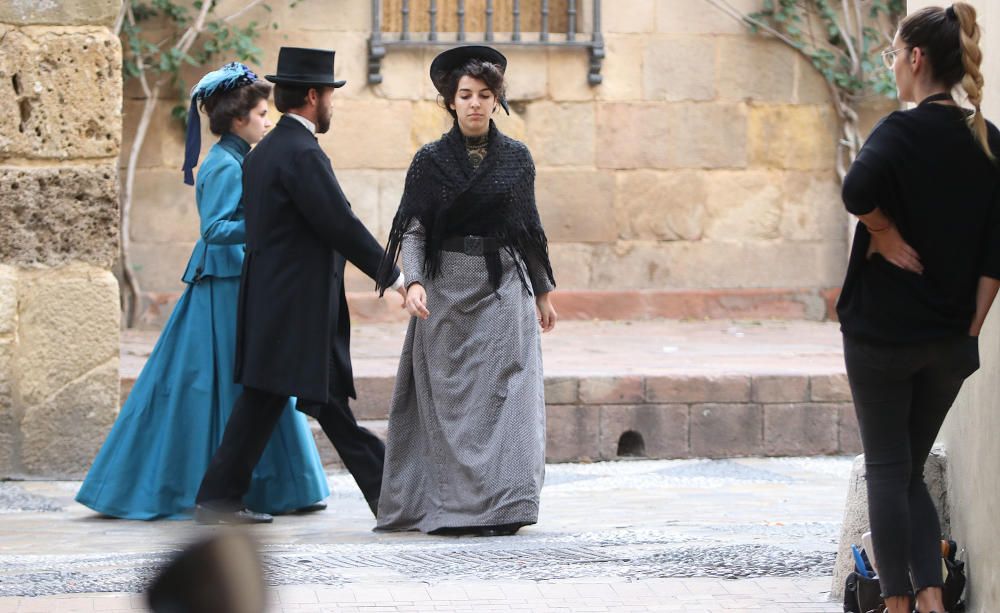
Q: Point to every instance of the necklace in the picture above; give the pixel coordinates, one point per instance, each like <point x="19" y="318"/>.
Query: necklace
<point x="476" y="147"/>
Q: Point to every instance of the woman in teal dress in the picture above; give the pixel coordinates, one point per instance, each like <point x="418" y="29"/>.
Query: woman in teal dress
<point x="153" y="460"/>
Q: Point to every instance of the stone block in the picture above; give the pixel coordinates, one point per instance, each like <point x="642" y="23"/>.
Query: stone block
<point x="164" y="210"/>
<point x="374" y="397"/>
<point x="404" y="75"/>
<point x="159" y="266"/>
<point x="726" y="430"/>
<point x="800" y="429"/>
<point x="743" y="205"/>
<point x="698" y="389"/>
<point x="792" y="137"/>
<point x="562" y="390"/>
<point x="811" y="87"/>
<point x="756" y="68"/>
<point x="780" y="388"/>
<point x="572" y="433"/>
<point x="68" y="327"/>
<point x="629" y="17"/>
<point x="429" y="122"/>
<point x="560" y="134"/>
<point x="621" y="72"/>
<point x="848" y="430"/>
<point x="61" y="434"/>
<point x="679" y="68"/>
<point x="830" y="388"/>
<point x="512" y="125"/>
<point x="696" y="265"/>
<point x="812" y="208"/>
<point x="53" y="215"/>
<point x="369" y="134"/>
<point x="855" y="522"/>
<point x="576" y="205"/>
<point x="680" y="17"/>
<point x="660" y="205"/>
<point x="612" y="390"/>
<point x="571" y="264"/>
<point x="8" y="301"/>
<point x="675" y="135"/>
<point x="61" y="93"/>
<point x="10" y="419"/>
<point x="351" y="48"/>
<point x="362" y="189"/>
<point x="663" y="429"/>
<point x="62" y="13"/>
<point x="528" y="79"/>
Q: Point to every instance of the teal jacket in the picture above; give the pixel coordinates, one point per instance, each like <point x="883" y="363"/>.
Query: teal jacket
<point x="219" y="193"/>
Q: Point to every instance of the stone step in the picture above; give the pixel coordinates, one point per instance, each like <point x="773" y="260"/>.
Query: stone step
<point x="651" y="389"/>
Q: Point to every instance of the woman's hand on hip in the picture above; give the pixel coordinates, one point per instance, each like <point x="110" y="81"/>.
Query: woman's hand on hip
<point x="890" y="244"/>
<point x="546" y="312"/>
<point x="416" y="301"/>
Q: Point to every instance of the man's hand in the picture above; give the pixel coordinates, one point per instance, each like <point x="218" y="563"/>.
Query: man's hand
<point x="546" y="313"/>
<point x="889" y="242"/>
<point x="415" y="301"/>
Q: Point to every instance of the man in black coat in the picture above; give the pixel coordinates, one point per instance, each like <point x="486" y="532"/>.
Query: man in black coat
<point x="293" y="327"/>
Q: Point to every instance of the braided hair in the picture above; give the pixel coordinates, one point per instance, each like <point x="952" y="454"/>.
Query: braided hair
<point x="950" y="39"/>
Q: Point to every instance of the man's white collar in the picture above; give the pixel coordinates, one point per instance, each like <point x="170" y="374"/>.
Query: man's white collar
<point x="308" y="124"/>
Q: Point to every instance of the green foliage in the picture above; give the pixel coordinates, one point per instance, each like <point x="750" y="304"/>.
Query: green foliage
<point x="158" y="26"/>
<point x="816" y="28"/>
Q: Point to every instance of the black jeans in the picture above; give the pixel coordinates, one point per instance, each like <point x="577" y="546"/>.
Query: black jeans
<point x="255" y="415"/>
<point x="902" y="394"/>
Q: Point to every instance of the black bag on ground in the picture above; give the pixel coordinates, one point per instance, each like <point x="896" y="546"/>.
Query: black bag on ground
<point x="862" y="594"/>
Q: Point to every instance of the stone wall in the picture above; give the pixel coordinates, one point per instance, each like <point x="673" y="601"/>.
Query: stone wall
<point x="704" y="162"/>
<point x="60" y="135"/>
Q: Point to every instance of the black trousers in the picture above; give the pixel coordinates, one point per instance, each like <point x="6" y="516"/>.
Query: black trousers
<point x="255" y="415"/>
<point x="902" y="394"/>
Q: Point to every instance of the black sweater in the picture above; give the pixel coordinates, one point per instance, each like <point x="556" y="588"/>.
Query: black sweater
<point x="926" y="172"/>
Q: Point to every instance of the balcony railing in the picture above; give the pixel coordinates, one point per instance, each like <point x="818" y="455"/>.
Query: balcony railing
<point x="403" y="27"/>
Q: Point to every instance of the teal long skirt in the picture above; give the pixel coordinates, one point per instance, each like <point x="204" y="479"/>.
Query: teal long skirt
<point x="154" y="458"/>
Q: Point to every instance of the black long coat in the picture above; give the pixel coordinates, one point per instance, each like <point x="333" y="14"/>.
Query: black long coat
<point x="293" y="328"/>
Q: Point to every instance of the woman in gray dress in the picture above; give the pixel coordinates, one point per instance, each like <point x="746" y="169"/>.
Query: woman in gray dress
<point x="466" y="446"/>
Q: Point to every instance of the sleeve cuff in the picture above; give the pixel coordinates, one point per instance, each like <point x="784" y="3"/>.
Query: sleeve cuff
<point x="399" y="282"/>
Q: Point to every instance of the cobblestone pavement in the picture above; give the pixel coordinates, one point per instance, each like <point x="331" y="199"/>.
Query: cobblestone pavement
<point x="682" y="535"/>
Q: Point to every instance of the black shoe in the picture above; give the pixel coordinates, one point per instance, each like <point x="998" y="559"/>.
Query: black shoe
<point x="312" y="508"/>
<point x="501" y="530"/>
<point x="209" y="516"/>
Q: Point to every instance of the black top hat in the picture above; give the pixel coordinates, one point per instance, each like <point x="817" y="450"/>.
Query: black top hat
<point x="298" y="66"/>
<point x="456" y="57"/>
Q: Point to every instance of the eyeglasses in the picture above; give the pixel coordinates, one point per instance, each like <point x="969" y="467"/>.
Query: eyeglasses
<point x="889" y="56"/>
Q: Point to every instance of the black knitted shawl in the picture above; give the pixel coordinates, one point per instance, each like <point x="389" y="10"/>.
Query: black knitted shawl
<point x="450" y="198"/>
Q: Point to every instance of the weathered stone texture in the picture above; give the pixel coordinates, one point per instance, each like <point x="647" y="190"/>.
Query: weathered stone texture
<point x="161" y="213"/>
<point x="792" y="137"/>
<point x="663" y="428"/>
<point x="743" y="205"/>
<point x="676" y="135"/>
<point x="383" y="125"/>
<point x="660" y="205"/>
<point x="571" y="264"/>
<point x="577" y="205"/>
<point x="630" y="17"/>
<point x="160" y="266"/>
<point x="681" y="68"/>
<point x="754" y="68"/>
<point x="60" y="93"/>
<point x="561" y="134"/>
<point x="62" y="434"/>
<point x="63" y="12"/>
<point x="726" y="430"/>
<point x="9" y="420"/>
<point x="682" y="17"/>
<point x="572" y="433"/>
<point x="54" y="215"/>
<point x="67" y="326"/>
<point x="800" y="429"/>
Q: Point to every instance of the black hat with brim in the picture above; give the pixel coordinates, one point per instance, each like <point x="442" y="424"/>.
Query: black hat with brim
<point x="299" y="66"/>
<point x="457" y="57"/>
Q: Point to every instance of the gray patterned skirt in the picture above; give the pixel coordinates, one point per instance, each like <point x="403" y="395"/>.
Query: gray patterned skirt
<point x="466" y="442"/>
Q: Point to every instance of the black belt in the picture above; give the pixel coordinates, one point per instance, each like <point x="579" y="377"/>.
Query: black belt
<point x="472" y="245"/>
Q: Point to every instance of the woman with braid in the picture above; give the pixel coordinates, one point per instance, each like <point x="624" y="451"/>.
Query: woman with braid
<point x="924" y="269"/>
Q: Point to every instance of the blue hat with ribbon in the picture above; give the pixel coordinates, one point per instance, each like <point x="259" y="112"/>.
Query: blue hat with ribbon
<point x="229" y="77"/>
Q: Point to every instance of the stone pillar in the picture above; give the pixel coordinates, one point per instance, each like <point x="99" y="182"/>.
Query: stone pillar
<point x="971" y="430"/>
<point x="60" y="135"/>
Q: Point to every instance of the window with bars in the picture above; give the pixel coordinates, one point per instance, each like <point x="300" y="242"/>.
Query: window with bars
<point x="518" y="23"/>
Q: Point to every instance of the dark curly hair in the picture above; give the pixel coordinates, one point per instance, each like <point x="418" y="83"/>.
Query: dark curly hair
<point x="225" y="106"/>
<point x="487" y="72"/>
